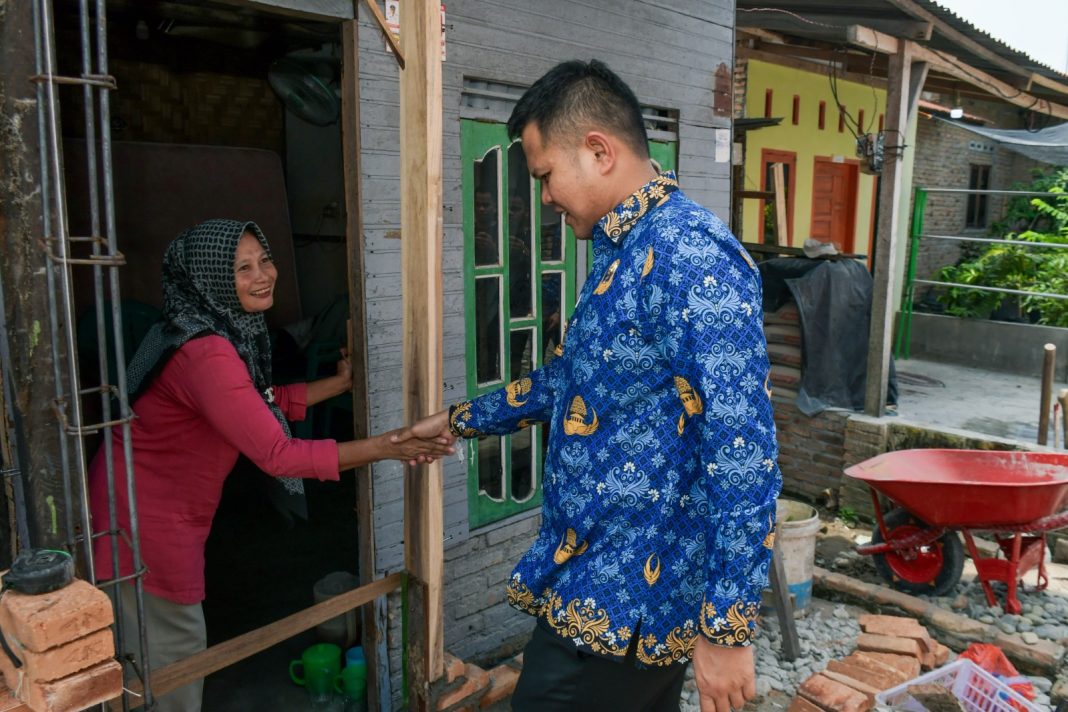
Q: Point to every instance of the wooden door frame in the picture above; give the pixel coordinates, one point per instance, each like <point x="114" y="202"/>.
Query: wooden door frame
<point x="778" y="155"/>
<point x="854" y="190"/>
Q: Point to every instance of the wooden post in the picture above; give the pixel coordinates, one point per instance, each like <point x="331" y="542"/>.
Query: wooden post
<point x="1045" y="400"/>
<point x="1062" y="398"/>
<point x="371" y="635"/>
<point x="784" y="607"/>
<point x="421" y="235"/>
<point x="782" y="224"/>
<point x="903" y="90"/>
<point x="22" y="276"/>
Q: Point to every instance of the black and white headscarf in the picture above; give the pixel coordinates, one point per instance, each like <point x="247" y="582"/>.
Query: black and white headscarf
<point x="200" y="298"/>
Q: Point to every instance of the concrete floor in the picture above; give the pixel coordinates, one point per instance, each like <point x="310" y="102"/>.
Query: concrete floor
<point x="998" y="404"/>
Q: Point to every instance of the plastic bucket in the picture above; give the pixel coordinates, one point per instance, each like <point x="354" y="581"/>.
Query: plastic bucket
<point x="796" y="527"/>
<point x="342" y="631"/>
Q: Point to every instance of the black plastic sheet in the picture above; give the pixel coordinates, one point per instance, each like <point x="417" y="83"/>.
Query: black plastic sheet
<point x="834" y="301"/>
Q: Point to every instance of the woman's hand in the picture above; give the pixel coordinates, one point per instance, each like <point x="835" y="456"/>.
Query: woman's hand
<point x="404" y="445"/>
<point x="331" y="386"/>
<point x="344" y="371"/>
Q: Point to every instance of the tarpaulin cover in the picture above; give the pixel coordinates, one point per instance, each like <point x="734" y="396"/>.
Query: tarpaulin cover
<point x="1049" y="145"/>
<point x="834" y="300"/>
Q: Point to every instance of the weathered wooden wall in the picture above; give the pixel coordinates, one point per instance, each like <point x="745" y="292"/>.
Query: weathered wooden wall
<point x="669" y="54"/>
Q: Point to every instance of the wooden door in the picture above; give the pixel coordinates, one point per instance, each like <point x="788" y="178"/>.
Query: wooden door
<point x="834" y="203"/>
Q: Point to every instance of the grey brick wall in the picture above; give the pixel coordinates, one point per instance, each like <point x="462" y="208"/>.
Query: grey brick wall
<point x="944" y="154"/>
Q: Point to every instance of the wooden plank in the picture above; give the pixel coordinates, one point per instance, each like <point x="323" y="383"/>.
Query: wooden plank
<point x="302" y="9"/>
<point x="782" y="223"/>
<point x="784" y="58"/>
<point x="371" y="636"/>
<point x="946" y="63"/>
<point x="784" y="607"/>
<point x="898" y="104"/>
<point x="1045" y="400"/>
<point x="421" y="303"/>
<point x="219" y="656"/>
<point x="372" y="5"/>
<point x="831" y="28"/>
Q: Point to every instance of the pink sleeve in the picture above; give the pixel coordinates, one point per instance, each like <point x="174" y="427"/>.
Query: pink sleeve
<point x="293" y="400"/>
<point x="215" y="381"/>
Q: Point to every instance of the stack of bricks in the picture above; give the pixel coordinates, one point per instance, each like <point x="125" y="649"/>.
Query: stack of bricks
<point x="890" y="651"/>
<point x="65" y="643"/>
<point x="469" y="688"/>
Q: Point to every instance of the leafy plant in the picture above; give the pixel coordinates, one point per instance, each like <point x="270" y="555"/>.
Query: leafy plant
<point x="1028" y="269"/>
<point x="847" y="515"/>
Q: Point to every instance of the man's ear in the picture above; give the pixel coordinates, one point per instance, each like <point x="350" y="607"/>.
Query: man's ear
<point x="604" y="150"/>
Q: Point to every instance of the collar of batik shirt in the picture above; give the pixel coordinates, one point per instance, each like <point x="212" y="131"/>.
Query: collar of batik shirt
<point x="617" y="223"/>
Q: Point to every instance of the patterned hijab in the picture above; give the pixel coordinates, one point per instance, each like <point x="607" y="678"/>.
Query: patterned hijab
<point x="200" y="298"/>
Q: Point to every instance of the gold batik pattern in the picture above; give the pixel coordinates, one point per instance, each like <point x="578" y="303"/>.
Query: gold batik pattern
<point x="588" y="625"/>
<point x="619" y="222"/>
<point x="459" y="417"/>
<point x="734" y="628"/>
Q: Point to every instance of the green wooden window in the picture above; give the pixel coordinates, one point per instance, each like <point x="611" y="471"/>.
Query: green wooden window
<point x="519" y="276"/>
<point x="519" y="272"/>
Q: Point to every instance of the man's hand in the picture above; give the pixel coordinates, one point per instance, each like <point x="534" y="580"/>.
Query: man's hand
<point x="433" y="428"/>
<point x="726" y="676"/>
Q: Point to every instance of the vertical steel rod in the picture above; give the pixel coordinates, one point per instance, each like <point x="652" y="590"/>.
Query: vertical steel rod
<point x="120" y="372"/>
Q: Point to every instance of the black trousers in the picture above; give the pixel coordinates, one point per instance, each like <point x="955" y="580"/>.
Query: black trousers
<point x="557" y="677"/>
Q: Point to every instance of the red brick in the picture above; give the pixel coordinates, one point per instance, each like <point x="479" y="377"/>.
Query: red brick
<point x="934" y="654"/>
<point x="861" y="687"/>
<point x="454" y="667"/>
<point x="800" y="704"/>
<point x="475" y="683"/>
<point x="833" y="696"/>
<point x="893" y="625"/>
<point x="10" y="703"/>
<point x="880" y="679"/>
<point x="75" y="692"/>
<point x="905" y="664"/>
<point x="502" y="685"/>
<point x="67" y="659"/>
<point x="46" y="620"/>
<point x="889" y="644"/>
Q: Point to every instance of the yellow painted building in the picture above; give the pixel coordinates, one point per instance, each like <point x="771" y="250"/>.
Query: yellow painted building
<point x="830" y="197"/>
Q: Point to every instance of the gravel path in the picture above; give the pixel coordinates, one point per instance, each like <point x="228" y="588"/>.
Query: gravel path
<point x="829" y="630"/>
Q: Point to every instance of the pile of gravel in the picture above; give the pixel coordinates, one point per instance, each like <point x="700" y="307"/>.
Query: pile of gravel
<point x="826" y="632"/>
<point x="1044" y="616"/>
<point x="829" y="632"/>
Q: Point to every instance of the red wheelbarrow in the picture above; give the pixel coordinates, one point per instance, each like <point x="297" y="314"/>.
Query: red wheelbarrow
<point x="1015" y="496"/>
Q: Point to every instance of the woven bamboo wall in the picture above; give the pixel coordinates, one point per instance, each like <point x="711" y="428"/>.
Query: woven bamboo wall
<point x="157" y="103"/>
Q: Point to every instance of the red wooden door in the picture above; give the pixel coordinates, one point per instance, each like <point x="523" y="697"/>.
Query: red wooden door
<point x="834" y="203"/>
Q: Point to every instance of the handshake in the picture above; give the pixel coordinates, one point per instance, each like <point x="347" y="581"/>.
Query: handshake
<point x="423" y="441"/>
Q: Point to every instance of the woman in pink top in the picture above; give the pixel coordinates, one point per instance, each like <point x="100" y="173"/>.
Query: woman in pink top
<point x="200" y="385"/>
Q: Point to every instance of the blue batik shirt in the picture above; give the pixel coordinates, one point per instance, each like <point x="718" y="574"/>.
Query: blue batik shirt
<point x="661" y="472"/>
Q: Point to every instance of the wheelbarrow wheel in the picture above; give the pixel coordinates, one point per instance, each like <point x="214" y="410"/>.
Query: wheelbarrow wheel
<point x="933" y="569"/>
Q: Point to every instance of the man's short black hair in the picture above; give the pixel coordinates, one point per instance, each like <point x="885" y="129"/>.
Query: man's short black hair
<point x="575" y="97"/>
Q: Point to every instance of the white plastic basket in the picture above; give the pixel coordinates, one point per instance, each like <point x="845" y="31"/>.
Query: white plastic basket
<point x="975" y="688"/>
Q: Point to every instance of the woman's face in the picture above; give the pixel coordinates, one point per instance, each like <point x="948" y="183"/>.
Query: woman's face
<point x="254" y="275"/>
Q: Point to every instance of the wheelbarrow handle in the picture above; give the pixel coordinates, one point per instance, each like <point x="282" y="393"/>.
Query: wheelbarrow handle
<point x="913" y="541"/>
<point x="1045" y="524"/>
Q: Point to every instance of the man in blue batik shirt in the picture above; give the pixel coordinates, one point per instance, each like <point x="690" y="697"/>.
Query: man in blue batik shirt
<point x="661" y="474"/>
